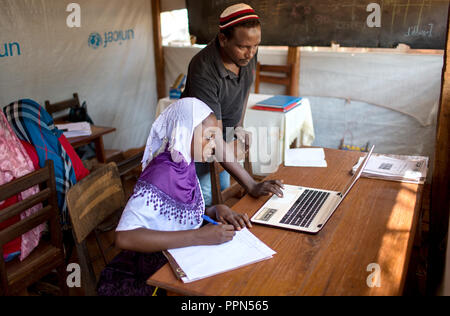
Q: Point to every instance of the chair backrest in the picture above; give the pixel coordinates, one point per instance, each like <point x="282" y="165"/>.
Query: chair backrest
<point x="219" y="196"/>
<point x="131" y="163"/>
<point x="53" y="108"/>
<point x="90" y="202"/>
<point x="287" y="72"/>
<point x="17" y="276"/>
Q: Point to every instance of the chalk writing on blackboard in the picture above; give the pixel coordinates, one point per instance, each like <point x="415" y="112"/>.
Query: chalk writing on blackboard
<point x="416" y="31"/>
<point x="358" y="23"/>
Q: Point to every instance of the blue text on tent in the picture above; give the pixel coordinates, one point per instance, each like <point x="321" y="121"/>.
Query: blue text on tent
<point x="8" y="50"/>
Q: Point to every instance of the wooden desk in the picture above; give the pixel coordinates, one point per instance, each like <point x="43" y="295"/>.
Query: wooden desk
<point x="96" y="137"/>
<point x="376" y="223"/>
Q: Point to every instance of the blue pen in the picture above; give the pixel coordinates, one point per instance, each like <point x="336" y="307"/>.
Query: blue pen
<point x="209" y="219"/>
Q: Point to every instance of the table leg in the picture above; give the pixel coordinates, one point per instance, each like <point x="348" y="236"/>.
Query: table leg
<point x="100" y="150"/>
<point x="298" y="143"/>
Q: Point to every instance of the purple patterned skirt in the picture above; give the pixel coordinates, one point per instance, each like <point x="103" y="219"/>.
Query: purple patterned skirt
<point x="127" y="274"/>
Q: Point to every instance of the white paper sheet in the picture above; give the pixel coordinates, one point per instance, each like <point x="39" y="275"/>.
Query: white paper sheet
<point x="305" y="157"/>
<point x="75" y="129"/>
<point x="199" y="262"/>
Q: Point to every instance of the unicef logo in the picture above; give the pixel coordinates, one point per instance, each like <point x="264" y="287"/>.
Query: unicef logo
<point x="95" y="40"/>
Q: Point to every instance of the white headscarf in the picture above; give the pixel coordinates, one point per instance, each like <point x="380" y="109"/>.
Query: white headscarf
<point x="175" y="126"/>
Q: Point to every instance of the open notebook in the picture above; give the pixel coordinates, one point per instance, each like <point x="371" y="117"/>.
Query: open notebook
<point x="198" y="262"/>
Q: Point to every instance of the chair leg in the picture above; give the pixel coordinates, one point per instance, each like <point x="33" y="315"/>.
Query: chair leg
<point x="87" y="270"/>
<point x="62" y="280"/>
<point x="69" y="244"/>
<point x="100" y="246"/>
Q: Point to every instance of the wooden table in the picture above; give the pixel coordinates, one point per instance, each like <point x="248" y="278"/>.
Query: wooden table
<point x="375" y="224"/>
<point x="96" y="137"/>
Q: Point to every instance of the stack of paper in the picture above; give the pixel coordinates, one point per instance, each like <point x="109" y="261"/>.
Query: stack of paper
<point x="194" y="263"/>
<point x="410" y="169"/>
<point x="305" y="157"/>
<point x="278" y="103"/>
<point x="75" y="129"/>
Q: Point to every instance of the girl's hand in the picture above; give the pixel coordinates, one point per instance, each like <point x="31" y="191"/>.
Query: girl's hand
<point x="226" y="215"/>
<point x="215" y="234"/>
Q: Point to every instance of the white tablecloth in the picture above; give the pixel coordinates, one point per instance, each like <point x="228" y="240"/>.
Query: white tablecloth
<point x="282" y="129"/>
<point x="273" y="132"/>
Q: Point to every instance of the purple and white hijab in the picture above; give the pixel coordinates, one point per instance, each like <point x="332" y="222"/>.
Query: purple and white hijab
<point x="167" y="196"/>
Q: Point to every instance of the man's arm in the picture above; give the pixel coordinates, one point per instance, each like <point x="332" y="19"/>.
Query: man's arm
<point x="235" y="169"/>
<point x="240" y="133"/>
<point x="244" y="110"/>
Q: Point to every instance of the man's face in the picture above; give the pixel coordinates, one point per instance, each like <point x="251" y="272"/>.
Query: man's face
<point x="243" y="46"/>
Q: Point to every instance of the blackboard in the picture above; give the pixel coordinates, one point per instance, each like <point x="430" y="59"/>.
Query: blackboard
<point x="421" y="24"/>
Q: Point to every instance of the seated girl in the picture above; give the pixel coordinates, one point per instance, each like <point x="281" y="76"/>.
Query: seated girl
<point x="166" y="209"/>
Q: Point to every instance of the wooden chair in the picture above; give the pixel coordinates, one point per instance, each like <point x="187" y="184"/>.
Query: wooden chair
<point x="92" y="203"/>
<point x="63" y="105"/>
<point x="110" y="155"/>
<point x="16" y="276"/>
<point x="235" y="190"/>
<point x="127" y="166"/>
<point x="286" y="80"/>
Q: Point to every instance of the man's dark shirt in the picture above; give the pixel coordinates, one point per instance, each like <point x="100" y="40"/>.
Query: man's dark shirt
<point x="221" y="89"/>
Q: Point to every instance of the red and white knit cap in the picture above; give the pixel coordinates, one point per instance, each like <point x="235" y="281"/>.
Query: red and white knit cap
<point x="235" y="14"/>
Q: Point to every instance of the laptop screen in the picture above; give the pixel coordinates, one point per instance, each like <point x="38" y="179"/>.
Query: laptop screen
<point x="358" y="173"/>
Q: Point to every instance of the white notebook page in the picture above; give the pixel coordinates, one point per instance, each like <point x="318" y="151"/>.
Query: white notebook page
<point x="199" y="262"/>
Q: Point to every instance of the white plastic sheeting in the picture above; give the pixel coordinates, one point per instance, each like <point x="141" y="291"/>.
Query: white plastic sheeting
<point x="359" y="123"/>
<point x="389" y="99"/>
<point x="109" y="61"/>
<point x="407" y="83"/>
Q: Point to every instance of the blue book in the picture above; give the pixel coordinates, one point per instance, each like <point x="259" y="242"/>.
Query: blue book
<point x="279" y="101"/>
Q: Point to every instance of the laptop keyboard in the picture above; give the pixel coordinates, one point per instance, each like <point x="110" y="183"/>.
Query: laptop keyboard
<point x="305" y="209"/>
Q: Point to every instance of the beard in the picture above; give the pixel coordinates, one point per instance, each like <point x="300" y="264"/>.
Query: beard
<point x="242" y="62"/>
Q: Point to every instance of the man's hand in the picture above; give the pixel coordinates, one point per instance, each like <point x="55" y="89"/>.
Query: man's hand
<point x="239" y="149"/>
<point x="266" y="188"/>
<point x="240" y="146"/>
<point x="240" y="135"/>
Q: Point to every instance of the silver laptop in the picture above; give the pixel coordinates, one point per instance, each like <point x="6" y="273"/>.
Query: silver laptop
<point x="305" y="209"/>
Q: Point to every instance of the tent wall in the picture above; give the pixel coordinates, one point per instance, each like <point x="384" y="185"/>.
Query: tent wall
<point x="440" y="190"/>
<point x="445" y="285"/>
<point x="109" y="61"/>
<point x="377" y="97"/>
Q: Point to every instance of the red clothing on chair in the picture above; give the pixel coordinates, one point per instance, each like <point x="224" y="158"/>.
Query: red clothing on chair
<point x="31" y="151"/>
<point x="80" y="171"/>
<point x="12" y="246"/>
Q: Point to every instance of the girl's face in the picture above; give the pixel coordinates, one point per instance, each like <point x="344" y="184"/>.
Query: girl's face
<point x="204" y="140"/>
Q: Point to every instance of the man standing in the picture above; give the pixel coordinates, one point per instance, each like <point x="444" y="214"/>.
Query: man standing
<point x="221" y="75"/>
